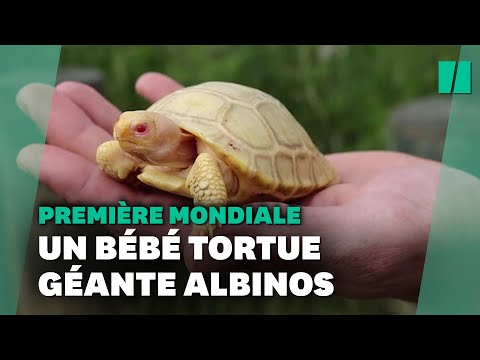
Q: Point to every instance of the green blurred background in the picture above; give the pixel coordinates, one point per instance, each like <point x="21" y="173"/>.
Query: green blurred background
<point x="342" y="95"/>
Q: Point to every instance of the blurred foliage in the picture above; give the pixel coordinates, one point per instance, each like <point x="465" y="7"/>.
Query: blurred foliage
<point x="341" y="94"/>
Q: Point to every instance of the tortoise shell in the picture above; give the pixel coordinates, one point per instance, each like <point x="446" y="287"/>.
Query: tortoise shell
<point x="253" y="133"/>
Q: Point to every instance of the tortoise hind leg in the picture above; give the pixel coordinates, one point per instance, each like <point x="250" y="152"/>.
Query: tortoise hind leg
<point x="207" y="188"/>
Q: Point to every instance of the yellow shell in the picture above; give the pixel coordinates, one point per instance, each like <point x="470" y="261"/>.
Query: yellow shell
<point x="254" y="133"/>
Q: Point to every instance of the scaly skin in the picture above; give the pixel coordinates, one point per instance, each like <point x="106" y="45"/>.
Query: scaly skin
<point x="207" y="187"/>
<point x="115" y="162"/>
<point x="158" y="153"/>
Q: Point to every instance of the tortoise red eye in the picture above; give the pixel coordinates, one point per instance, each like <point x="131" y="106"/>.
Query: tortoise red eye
<point x="141" y="128"/>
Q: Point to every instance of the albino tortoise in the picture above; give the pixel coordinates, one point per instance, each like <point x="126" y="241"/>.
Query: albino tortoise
<point x="218" y="143"/>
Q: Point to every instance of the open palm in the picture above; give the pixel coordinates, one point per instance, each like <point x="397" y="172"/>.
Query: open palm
<point x="374" y="225"/>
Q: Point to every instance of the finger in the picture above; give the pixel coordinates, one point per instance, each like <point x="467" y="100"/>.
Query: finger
<point x="153" y="86"/>
<point x="100" y="110"/>
<point x="72" y="177"/>
<point x="65" y="124"/>
<point x="360" y="166"/>
<point x="79" y="182"/>
<point x="35" y="101"/>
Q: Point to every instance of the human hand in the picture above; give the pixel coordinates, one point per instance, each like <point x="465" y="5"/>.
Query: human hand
<point x="374" y="225"/>
<point x="77" y="122"/>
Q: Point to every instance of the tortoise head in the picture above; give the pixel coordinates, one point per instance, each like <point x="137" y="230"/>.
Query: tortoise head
<point x="145" y="134"/>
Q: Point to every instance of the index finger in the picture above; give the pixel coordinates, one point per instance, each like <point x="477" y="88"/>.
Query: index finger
<point x="358" y="167"/>
<point x="99" y="110"/>
<point x="153" y="86"/>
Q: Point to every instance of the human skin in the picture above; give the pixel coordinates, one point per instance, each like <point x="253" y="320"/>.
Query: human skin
<point x="374" y="225"/>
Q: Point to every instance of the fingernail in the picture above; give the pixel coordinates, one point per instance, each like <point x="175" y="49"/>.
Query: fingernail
<point x="35" y="100"/>
<point x="29" y="159"/>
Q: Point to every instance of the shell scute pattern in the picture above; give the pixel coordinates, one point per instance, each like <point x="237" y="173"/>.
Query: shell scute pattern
<point x="253" y="133"/>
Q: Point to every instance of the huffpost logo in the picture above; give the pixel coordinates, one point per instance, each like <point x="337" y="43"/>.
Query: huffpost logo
<point x="456" y="75"/>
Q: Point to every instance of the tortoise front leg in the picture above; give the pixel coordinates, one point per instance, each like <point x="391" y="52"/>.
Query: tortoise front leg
<point x="207" y="188"/>
<point x="115" y="162"/>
